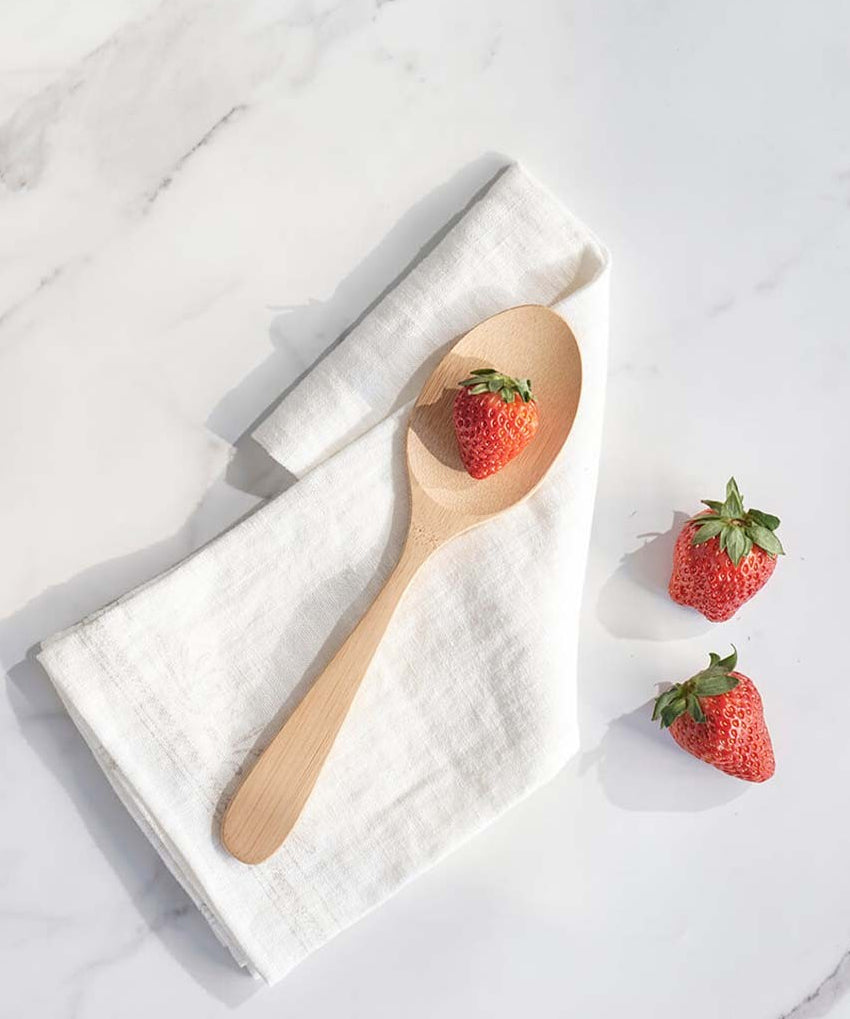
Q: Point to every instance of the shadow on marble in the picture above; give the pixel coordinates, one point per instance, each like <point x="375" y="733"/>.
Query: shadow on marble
<point x="252" y="470"/>
<point x="641" y="768"/>
<point x="634" y="603"/>
<point x="323" y="325"/>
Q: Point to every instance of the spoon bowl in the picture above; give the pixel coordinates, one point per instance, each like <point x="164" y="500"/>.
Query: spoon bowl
<point x="528" y="342"/>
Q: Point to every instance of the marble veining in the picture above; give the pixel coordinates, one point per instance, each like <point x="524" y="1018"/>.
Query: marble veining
<point x="167" y="180"/>
<point x="828" y="993"/>
<point x="197" y="197"/>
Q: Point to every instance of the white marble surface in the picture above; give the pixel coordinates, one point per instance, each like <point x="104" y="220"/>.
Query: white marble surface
<point x="196" y="198"/>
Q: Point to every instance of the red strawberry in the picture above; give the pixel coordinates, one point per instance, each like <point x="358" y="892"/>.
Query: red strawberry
<point x="723" y="556"/>
<point x="491" y="424"/>
<point x="717" y="716"/>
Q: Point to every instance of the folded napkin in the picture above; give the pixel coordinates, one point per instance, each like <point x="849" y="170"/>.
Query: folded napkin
<point x="469" y="704"/>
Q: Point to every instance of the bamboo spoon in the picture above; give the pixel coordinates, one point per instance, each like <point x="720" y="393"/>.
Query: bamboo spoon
<point x="530" y="342"/>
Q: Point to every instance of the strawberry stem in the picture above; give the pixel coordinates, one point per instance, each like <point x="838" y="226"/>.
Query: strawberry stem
<point x="737" y="529"/>
<point x="681" y="697"/>
<point x="484" y="380"/>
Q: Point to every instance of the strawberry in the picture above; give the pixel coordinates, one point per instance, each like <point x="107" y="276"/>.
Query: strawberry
<point x="495" y="418"/>
<point x="723" y="556"/>
<point x="717" y="716"/>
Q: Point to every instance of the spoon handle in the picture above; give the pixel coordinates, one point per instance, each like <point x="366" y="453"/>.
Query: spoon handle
<point x="270" y="799"/>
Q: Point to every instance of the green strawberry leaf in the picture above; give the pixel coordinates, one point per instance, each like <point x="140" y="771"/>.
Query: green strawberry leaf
<point x="711" y="682"/>
<point x="662" y="702"/>
<point x="675" y="708"/>
<point x="707" y="531"/>
<point x="767" y="520"/>
<point x="736" y="541"/>
<point x="695" y="708"/>
<point x="669" y="705"/>
<point x="710" y="685"/>
<point x="702" y="517"/>
<point x="758" y="527"/>
<point x="733" y="507"/>
<point x="669" y="716"/>
<point x="766" y="539"/>
<point x="736" y="544"/>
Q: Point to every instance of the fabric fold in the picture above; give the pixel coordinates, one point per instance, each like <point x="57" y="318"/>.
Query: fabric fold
<point x="516" y="245"/>
<point x="469" y="703"/>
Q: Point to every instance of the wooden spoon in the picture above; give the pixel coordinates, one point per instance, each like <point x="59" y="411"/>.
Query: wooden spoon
<point x="530" y="342"/>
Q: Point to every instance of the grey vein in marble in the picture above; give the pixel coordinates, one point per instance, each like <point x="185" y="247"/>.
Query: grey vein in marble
<point x="167" y="180"/>
<point x="828" y="992"/>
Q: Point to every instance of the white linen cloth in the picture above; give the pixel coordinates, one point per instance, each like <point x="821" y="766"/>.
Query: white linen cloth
<point x="469" y="703"/>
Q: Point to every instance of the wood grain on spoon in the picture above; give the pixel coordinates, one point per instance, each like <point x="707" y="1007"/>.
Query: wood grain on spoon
<point x="530" y="342"/>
